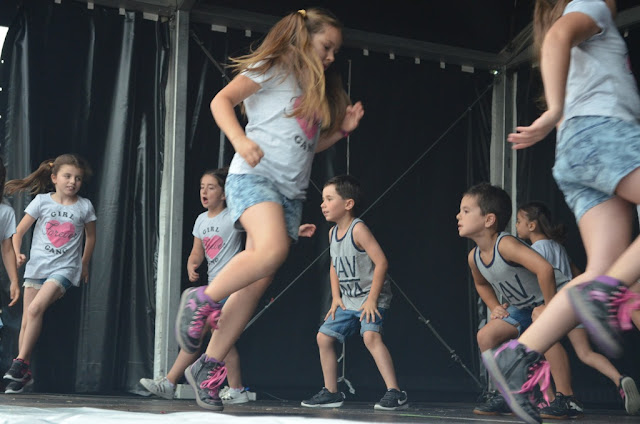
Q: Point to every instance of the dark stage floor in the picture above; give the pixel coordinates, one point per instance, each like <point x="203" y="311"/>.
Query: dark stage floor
<point x="45" y="408"/>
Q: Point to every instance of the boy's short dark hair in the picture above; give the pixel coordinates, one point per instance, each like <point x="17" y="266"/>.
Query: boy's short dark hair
<point x="348" y="188"/>
<point x="492" y="199"/>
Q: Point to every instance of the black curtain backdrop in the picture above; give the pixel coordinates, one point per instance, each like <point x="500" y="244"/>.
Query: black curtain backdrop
<point x="536" y="183"/>
<point x="407" y="108"/>
<point x="92" y="82"/>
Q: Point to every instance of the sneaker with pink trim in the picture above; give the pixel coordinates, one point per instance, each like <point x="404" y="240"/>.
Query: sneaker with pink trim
<point x="517" y="370"/>
<point x="196" y="312"/>
<point x="206" y="375"/>
<point x="604" y="306"/>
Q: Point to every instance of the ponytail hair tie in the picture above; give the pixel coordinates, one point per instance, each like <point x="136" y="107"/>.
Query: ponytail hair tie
<point x="303" y="13"/>
<point x="50" y="164"/>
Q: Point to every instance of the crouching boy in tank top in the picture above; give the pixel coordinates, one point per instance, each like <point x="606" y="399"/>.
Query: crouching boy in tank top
<point x="502" y="264"/>
<point x="361" y="295"/>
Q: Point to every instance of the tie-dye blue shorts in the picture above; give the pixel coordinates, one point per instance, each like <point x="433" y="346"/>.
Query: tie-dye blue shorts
<point x="593" y="154"/>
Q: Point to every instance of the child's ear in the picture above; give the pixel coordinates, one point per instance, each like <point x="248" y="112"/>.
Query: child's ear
<point x="490" y="220"/>
<point x="349" y="204"/>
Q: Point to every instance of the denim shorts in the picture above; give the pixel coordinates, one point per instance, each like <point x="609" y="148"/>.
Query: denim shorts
<point x="245" y="190"/>
<point x="519" y="318"/>
<point x="36" y="283"/>
<point x="347" y="323"/>
<point x="593" y="154"/>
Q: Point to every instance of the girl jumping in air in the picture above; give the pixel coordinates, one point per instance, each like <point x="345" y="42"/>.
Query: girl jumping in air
<point x="296" y="106"/>
<point x="592" y="97"/>
<point x="57" y="260"/>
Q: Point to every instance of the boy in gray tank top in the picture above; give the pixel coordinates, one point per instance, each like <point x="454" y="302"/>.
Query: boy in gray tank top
<point x="502" y="264"/>
<point x="361" y="295"/>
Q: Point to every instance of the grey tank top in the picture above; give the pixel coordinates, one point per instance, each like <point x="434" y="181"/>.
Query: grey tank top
<point x="355" y="271"/>
<point x="517" y="285"/>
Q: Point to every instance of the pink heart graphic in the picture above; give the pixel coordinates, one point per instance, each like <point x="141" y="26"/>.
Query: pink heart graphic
<point x="60" y="234"/>
<point x="310" y="128"/>
<point x="212" y="246"/>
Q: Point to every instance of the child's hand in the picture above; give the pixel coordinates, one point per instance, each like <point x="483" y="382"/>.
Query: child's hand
<point x="193" y="275"/>
<point x="335" y="305"/>
<point x="14" y="291"/>
<point x="85" y="273"/>
<point x="306" y="230"/>
<point x="21" y="258"/>
<point x="249" y="150"/>
<point x="369" y="311"/>
<point x="500" y="311"/>
<point x="539" y="129"/>
<point x="352" y="117"/>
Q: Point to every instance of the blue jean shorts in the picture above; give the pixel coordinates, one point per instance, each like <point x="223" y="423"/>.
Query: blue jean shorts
<point x="37" y="283"/>
<point x="245" y="190"/>
<point x="519" y="318"/>
<point x="593" y="154"/>
<point x="347" y="323"/>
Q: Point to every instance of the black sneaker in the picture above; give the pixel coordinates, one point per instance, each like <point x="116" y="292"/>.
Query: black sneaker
<point x="562" y="407"/>
<point x="516" y="371"/>
<point x="206" y="375"/>
<point x="629" y="394"/>
<point x="494" y="405"/>
<point x="324" y="399"/>
<point x="604" y="306"/>
<point x="393" y="399"/>
<point x="18" y="371"/>
<point x="195" y="312"/>
<point x="19" y="386"/>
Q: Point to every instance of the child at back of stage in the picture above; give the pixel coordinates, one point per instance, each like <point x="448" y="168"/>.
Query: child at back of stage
<point x="296" y="106"/>
<point x="502" y="264"/>
<point x="215" y="240"/>
<point x="7" y="230"/>
<point x="534" y="223"/>
<point x="597" y="167"/>
<point x="57" y="260"/>
<point x="361" y="295"/>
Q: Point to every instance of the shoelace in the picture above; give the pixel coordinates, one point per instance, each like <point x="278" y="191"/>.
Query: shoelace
<point x="623" y="303"/>
<point x="214" y="379"/>
<point x="200" y="317"/>
<point x="539" y="372"/>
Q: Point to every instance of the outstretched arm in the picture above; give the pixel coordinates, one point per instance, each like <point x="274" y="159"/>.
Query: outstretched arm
<point x="567" y="32"/>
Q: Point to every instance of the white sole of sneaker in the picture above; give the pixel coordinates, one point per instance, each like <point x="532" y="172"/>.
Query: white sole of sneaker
<point x="148" y="384"/>
<point x="326" y="405"/>
<point x="503" y="386"/>
<point x="393" y="408"/>
<point x="27" y="384"/>
<point x="631" y="396"/>
<point x="201" y="404"/>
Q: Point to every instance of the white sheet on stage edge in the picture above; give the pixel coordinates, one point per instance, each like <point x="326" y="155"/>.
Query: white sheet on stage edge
<point x="27" y="415"/>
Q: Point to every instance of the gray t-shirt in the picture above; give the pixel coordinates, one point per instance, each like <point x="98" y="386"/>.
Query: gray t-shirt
<point x="355" y="271"/>
<point x="556" y="255"/>
<point x="287" y="142"/>
<point x="58" y="236"/>
<point x="7" y="221"/>
<point x="600" y="81"/>
<point x="220" y="240"/>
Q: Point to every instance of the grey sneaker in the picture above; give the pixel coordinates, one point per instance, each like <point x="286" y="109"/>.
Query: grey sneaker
<point x="18" y="371"/>
<point x="324" y="399"/>
<point x="604" y="306"/>
<point x="393" y="399"/>
<point x="195" y="312"/>
<point x="159" y="387"/>
<point x="494" y="405"/>
<point x="19" y="386"/>
<point x="516" y="371"/>
<point x="629" y="394"/>
<point x="232" y="396"/>
<point x="206" y="375"/>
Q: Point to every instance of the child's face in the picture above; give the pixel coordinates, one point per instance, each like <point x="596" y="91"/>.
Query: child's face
<point x="326" y="44"/>
<point x="211" y="194"/>
<point x="68" y="180"/>
<point x="522" y="225"/>
<point x="470" y="218"/>
<point x="333" y="205"/>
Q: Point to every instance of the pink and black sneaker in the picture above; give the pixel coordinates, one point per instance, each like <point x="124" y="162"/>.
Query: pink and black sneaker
<point x="604" y="306"/>
<point x="18" y="371"/>
<point x="517" y="370"/>
<point x="206" y="375"/>
<point x="195" y="312"/>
